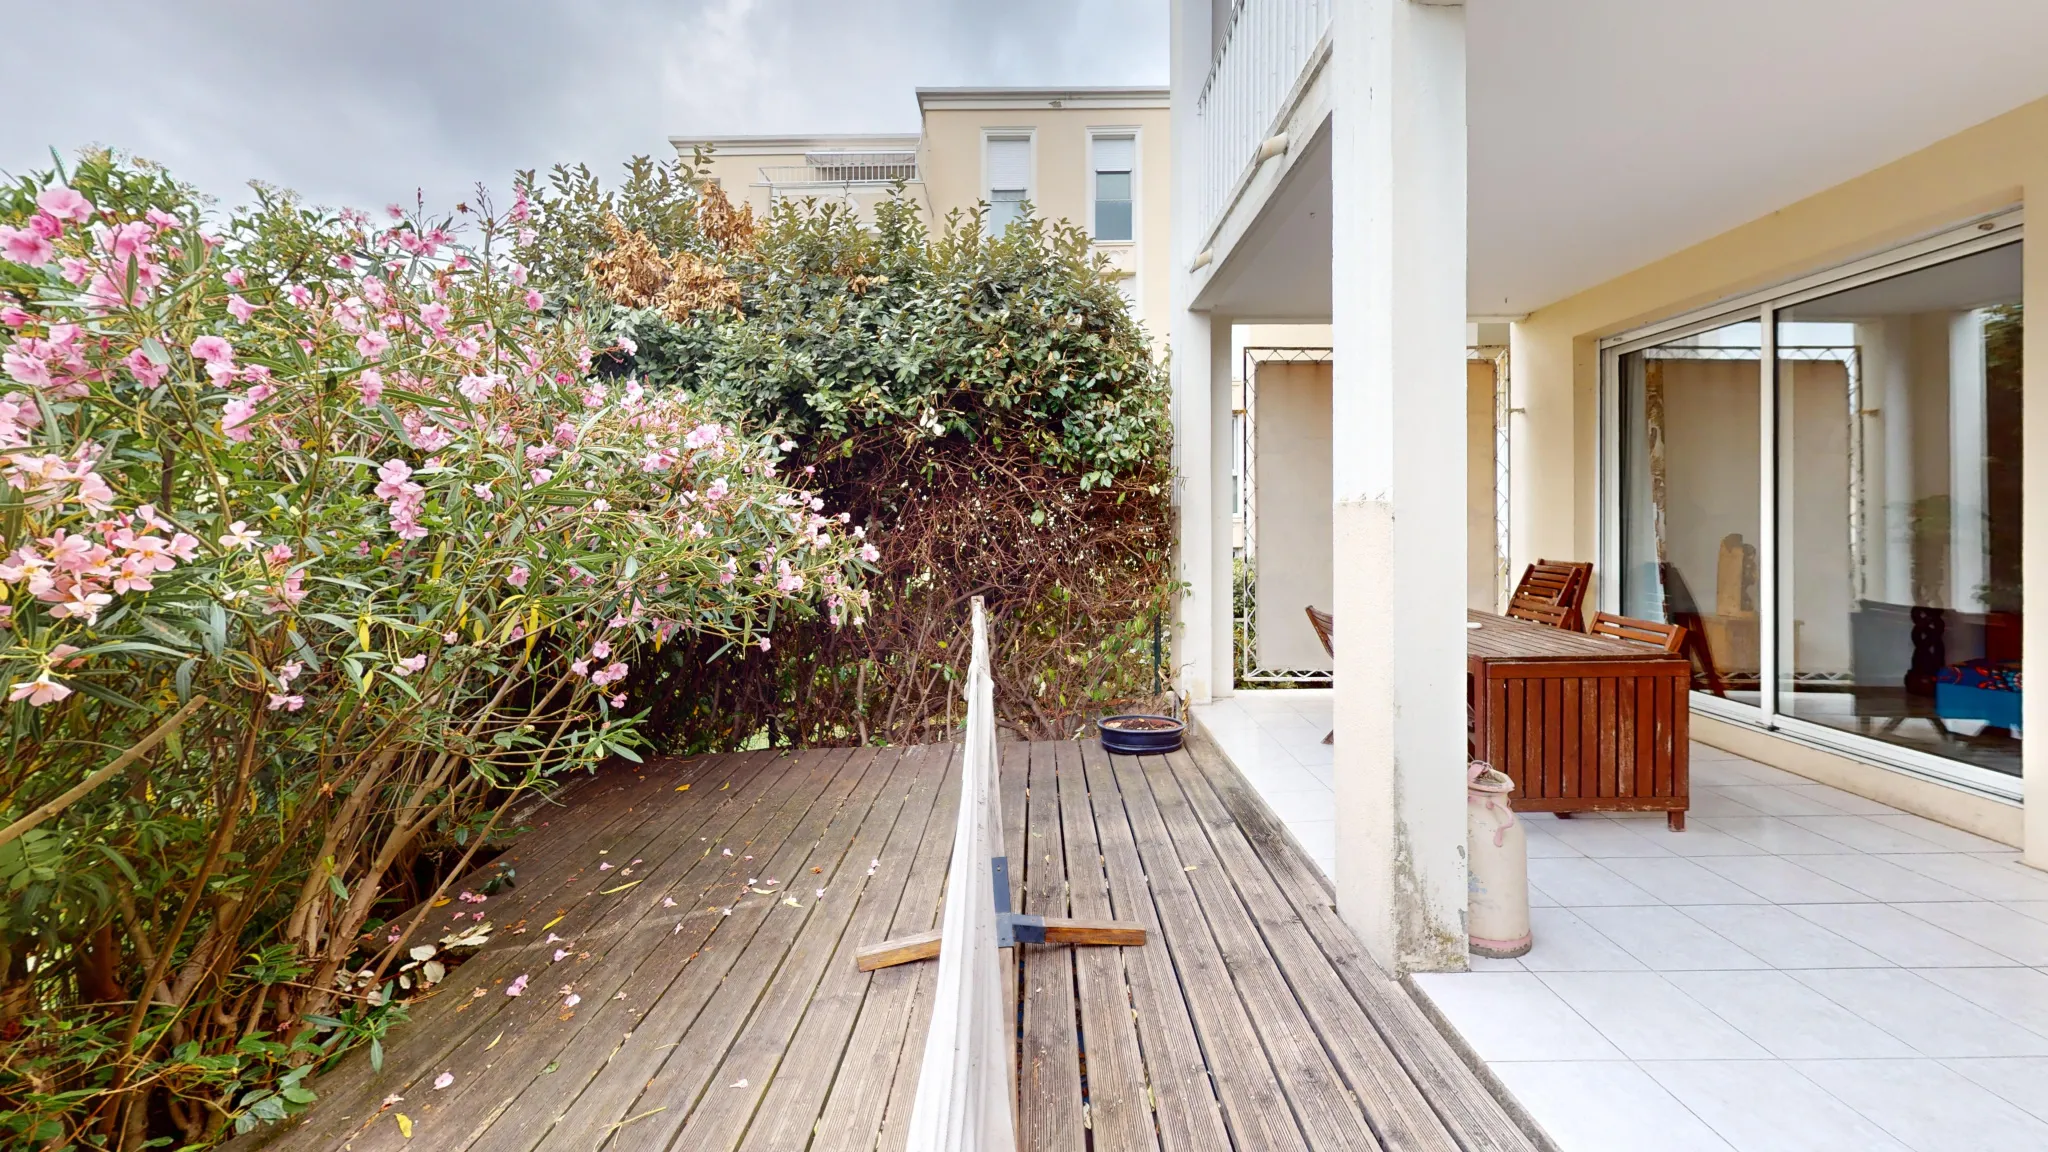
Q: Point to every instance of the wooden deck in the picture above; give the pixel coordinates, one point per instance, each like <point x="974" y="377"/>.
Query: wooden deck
<point x="736" y="1019"/>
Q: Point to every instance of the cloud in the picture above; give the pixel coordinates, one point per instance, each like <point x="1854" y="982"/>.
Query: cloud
<point x="365" y="102"/>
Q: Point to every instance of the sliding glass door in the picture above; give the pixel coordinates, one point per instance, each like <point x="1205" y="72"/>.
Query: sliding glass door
<point x="1898" y="426"/>
<point x="1823" y="485"/>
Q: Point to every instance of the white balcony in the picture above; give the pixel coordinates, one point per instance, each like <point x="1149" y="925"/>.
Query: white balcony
<point x="1268" y="50"/>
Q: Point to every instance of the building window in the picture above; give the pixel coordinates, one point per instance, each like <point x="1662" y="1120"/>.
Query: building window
<point x="1009" y="180"/>
<point x="1115" y="160"/>
<point x="1825" y="489"/>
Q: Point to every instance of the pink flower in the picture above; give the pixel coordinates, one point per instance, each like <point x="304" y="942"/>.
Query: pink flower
<point x="13" y="316"/>
<point x="412" y="664"/>
<point x="392" y="475"/>
<point x="39" y="691"/>
<point x="290" y="703"/>
<point x="435" y="316"/>
<point x="601" y="649"/>
<point x="213" y="350"/>
<point x="147" y="372"/>
<point x="372" y="345"/>
<point x="517" y="577"/>
<point x="533" y="299"/>
<point x="239" y="308"/>
<point x="234" y="419"/>
<point x="236" y="278"/>
<point x="238" y="536"/>
<point x="517" y="986"/>
<point x="161" y="219"/>
<point x="289" y="671"/>
<point x="764" y="644"/>
<point x="184" y="546"/>
<point x="370" y="385"/>
<point x="443" y="1080"/>
<point x="62" y="203"/>
<point x="24" y="246"/>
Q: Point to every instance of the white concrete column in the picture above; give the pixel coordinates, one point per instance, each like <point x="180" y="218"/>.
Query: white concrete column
<point x="1194" y="407"/>
<point x="1223" y="608"/>
<point x="1195" y="466"/>
<point x="1398" y="421"/>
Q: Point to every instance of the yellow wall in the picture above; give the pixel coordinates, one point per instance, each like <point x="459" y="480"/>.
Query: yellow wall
<point x="1555" y="361"/>
<point x="951" y="163"/>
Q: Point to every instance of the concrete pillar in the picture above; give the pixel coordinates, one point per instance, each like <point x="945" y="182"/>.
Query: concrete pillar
<point x="1222" y="605"/>
<point x="1194" y="407"/>
<point x="1398" y="422"/>
<point x="1194" y="413"/>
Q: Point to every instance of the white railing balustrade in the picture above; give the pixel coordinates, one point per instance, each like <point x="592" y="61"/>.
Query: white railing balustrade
<point x="1266" y="47"/>
<point x="964" y="1090"/>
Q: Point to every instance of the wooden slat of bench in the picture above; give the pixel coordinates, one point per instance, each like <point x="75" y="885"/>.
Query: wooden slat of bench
<point x="796" y="1100"/>
<point x="1474" y="1118"/>
<point x="761" y="1043"/>
<point x="1399" y="1116"/>
<point x="1329" y="1114"/>
<point x="511" y="1039"/>
<point x="1049" y="1067"/>
<point x="1184" y="1099"/>
<point x="887" y="1044"/>
<point x="1258" y="1111"/>
<point x="352" y="1095"/>
<point x="691" y="1025"/>
<point x="607" y="1056"/>
<point x="1119" y="1108"/>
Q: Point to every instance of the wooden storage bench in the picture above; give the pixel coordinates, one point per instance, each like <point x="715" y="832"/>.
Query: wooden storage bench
<point x="1580" y="723"/>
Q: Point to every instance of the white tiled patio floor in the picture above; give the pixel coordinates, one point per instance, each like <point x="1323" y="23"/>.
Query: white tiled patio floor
<point x="1801" y="969"/>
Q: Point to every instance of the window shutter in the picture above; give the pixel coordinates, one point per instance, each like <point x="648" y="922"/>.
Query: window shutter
<point x="1009" y="163"/>
<point x="1115" y="154"/>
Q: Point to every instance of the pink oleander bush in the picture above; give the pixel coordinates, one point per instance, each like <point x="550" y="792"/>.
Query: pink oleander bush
<point x="322" y="552"/>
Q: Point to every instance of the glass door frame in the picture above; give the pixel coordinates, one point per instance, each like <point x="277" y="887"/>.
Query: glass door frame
<point x="1991" y="231"/>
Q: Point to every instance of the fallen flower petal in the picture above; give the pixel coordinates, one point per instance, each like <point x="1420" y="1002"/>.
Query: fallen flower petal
<point x="443" y="1080"/>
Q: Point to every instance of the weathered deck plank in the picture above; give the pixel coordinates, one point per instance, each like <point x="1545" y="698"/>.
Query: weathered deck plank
<point x="1250" y="1019"/>
<point x="1119" y="1113"/>
<point x="1049" y="1064"/>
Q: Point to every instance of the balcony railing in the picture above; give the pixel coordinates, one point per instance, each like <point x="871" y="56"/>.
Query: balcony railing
<point x="843" y="168"/>
<point x="1267" y="46"/>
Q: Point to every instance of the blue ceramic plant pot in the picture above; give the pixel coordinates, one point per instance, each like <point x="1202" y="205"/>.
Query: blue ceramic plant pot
<point x="1136" y="734"/>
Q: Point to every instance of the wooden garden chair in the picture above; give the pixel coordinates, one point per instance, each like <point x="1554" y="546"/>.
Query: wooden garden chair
<point x="1325" y="626"/>
<point x="1559" y="582"/>
<point x="1539" y="612"/>
<point x="1669" y="637"/>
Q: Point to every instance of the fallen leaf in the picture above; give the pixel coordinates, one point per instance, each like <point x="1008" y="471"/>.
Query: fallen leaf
<point x="816" y="869"/>
<point x="738" y="1084"/>
<point x="552" y="923"/>
<point x="443" y="1080"/>
<point x="762" y="891"/>
<point x="494" y="1041"/>
<point x="440" y="902"/>
<point x="791" y="901"/>
<point x="683" y="788"/>
<point x="620" y="888"/>
<point x="724" y="786"/>
<point x="1191" y="867"/>
<point x="552" y="1065"/>
<point x="405" y="1125"/>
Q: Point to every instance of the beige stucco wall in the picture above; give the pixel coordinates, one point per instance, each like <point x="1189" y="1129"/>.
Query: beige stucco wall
<point x="950" y="161"/>
<point x="1555" y="370"/>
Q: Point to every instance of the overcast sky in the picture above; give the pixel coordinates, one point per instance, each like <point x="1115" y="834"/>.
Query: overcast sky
<point x="359" y="102"/>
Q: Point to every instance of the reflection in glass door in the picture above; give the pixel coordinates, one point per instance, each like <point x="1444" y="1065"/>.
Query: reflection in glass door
<point x="1898" y="417"/>
<point x="1691" y="494"/>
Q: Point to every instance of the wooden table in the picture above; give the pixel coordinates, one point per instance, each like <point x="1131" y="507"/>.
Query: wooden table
<point x="1580" y="723"/>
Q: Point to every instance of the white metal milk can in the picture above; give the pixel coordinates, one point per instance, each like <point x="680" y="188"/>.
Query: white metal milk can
<point x="1497" y="865"/>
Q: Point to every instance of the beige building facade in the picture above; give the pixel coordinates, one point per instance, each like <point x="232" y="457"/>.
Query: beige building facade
<point x="1096" y="157"/>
